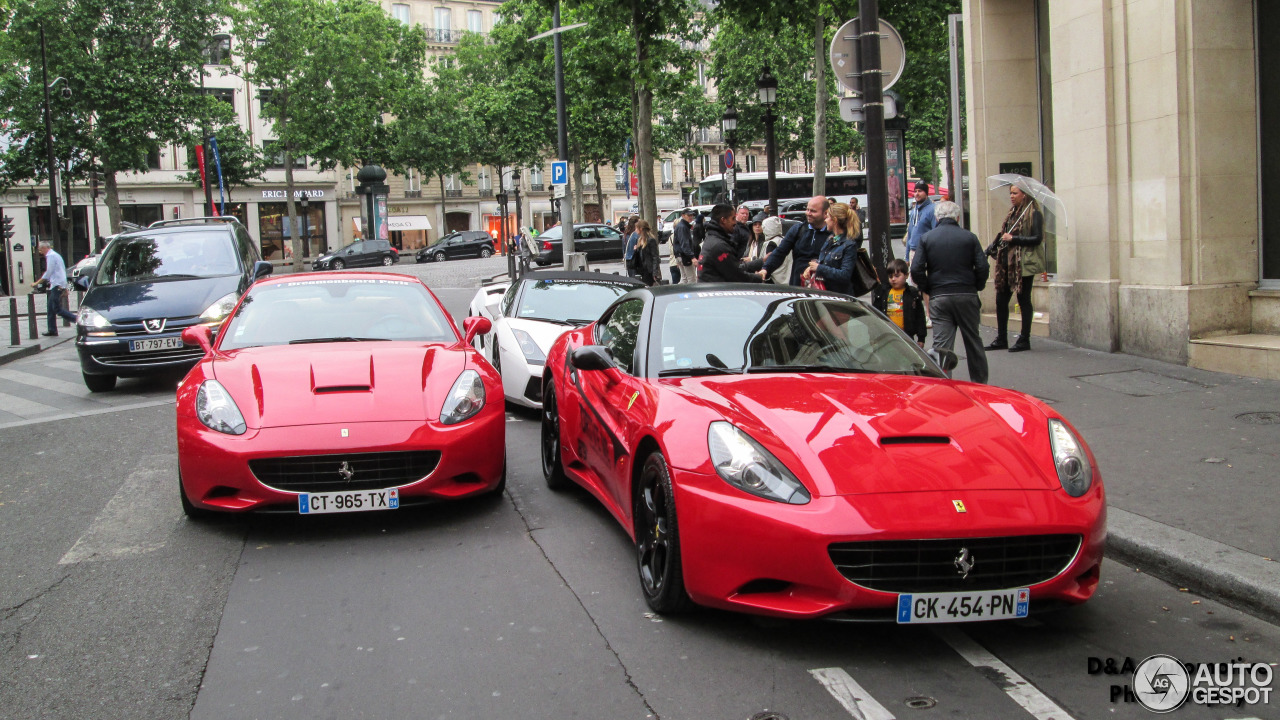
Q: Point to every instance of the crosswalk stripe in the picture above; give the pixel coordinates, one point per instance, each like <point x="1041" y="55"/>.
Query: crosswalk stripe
<point x="138" y="519"/>
<point x="851" y="696"/>
<point x="44" y="383"/>
<point x="24" y="407"/>
<point x="1014" y="685"/>
<point x="86" y="413"/>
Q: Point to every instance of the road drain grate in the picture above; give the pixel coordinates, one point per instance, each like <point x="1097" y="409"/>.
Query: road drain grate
<point x="920" y="703"/>
<point x="769" y="715"/>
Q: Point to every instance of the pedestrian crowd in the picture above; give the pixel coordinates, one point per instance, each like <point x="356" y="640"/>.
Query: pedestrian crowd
<point x="934" y="289"/>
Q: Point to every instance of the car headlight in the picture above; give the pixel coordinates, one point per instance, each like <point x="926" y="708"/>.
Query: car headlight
<point x="532" y="353"/>
<point x="217" y="410"/>
<point x="220" y="309"/>
<point x="1070" y="459"/>
<point x="465" y="399"/>
<point x="745" y="464"/>
<point x="92" y="319"/>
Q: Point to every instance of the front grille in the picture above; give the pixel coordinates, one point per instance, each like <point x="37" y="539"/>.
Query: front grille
<point x="324" y="473"/>
<point x="911" y="566"/>
<point x="152" y="357"/>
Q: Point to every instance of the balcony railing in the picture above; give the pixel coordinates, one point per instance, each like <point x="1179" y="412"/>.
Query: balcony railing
<point x="485" y="192"/>
<point x="667" y="184"/>
<point x="619" y="184"/>
<point x="413" y="193"/>
<point x="442" y="35"/>
<point x="450" y="192"/>
<point x="537" y="187"/>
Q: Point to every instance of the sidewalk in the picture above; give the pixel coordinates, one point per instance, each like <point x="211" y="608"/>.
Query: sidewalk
<point x="1188" y="457"/>
<point x="27" y="346"/>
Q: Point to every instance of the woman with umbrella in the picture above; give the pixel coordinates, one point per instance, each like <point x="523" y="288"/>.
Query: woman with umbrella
<point x="1019" y="256"/>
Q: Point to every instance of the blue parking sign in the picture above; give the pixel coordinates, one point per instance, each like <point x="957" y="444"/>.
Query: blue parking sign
<point x="560" y="172"/>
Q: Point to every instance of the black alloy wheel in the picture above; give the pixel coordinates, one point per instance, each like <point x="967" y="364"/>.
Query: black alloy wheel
<point x="438" y="257"/>
<point x="658" y="540"/>
<point x="388" y="261"/>
<point x="552" y="465"/>
<point x="99" y="383"/>
<point x="485" y="252"/>
<point x="338" y="264"/>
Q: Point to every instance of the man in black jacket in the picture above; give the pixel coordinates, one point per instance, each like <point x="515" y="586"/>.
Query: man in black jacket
<point x="683" y="247"/>
<point x="950" y="267"/>
<point x="742" y="230"/>
<point x="804" y="241"/>
<point x="720" y="261"/>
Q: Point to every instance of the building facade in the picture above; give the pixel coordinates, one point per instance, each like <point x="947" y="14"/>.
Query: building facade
<point x="1152" y="120"/>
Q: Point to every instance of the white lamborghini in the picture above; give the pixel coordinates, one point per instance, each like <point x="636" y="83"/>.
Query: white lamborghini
<point x="529" y="314"/>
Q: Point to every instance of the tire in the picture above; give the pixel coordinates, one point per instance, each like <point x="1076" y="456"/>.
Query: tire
<point x="99" y="383"/>
<point x="188" y="509"/>
<point x="658" y="540"/>
<point x="388" y="261"/>
<point x="485" y="252"/>
<point x="552" y="465"/>
<point x="338" y="264"/>
<point x="438" y="257"/>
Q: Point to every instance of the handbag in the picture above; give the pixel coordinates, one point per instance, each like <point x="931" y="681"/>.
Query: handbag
<point x="815" y="282"/>
<point x="864" y="278"/>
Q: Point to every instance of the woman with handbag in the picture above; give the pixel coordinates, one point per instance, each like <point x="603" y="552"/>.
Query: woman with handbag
<point x="646" y="259"/>
<point x="837" y="260"/>
<point x="1019" y="256"/>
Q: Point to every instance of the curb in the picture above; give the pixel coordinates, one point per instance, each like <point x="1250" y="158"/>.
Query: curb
<point x="1215" y="570"/>
<point x="21" y="352"/>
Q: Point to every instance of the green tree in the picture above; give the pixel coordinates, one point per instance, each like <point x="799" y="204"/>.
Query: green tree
<point x="131" y="67"/>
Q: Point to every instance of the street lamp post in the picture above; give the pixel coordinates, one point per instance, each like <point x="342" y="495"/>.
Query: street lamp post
<point x="729" y="126"/>
<point x="305" y="202"/>
<point x="767" y="87"/>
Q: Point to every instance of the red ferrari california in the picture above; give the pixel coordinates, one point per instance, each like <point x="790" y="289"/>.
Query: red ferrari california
<point x="338" y="392"/>
<point x="789" y="452"/>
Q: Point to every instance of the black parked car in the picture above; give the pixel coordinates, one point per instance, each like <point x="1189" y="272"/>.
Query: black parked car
<point x="467" y="243"/>
<point x="152" y="283"/>
<point x="598" y="241"/>
<point x="361" y="253"/>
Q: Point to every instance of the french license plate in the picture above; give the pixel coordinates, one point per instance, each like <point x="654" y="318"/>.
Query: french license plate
<point x="169" y="343"/>
<point x="348" y="501"/>
<point x="963" y="606"/>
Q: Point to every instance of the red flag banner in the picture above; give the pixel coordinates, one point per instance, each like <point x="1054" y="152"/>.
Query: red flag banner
<point x="200" y="163"/>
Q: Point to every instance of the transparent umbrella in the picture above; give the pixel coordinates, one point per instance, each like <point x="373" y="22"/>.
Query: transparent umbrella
<point x="1051" y="206"/>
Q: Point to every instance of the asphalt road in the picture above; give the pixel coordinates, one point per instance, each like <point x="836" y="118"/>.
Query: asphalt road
<point x="113" y="605"/>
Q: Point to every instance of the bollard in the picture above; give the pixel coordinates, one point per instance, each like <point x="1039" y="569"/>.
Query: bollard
<point x="31" y="316"/>
<point x="15" y="333"/>
<point x="66" y="305"/>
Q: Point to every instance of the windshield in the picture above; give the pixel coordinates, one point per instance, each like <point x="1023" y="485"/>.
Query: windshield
<point x="568" y="300"/>
<point x="172" y="255"/>
<point x="337" y="311"/>
<point x="747" y="331"/>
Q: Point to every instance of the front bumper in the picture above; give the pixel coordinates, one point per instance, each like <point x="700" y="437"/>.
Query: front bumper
<point x="752" y="555"/>
<point x="111" y="355"/>
<point x="216" y="473"/>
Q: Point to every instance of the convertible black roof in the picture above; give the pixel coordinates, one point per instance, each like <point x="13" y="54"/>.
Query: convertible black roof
<point x="578" y="275"/>
<point x="706" y="289"/>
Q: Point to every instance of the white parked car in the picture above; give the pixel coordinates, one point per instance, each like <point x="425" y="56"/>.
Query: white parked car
<point x="529" y="314"/>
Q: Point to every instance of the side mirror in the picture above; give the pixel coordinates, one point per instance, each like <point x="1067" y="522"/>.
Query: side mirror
<point x="946" y="359"/>
<point x="81" y="282"/>
<point x="592" y="357"/>
<point x="261" y="269"/>
<point x="351" y="252"/>
<point x="473" y="326"/>
<point x="201" y="335"/>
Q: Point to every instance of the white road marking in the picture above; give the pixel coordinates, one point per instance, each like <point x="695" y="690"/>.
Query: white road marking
<point x="851" y="696"/>
<point x="138" y="519"/>
<point x="44" y="383"/>
<point x="1014" y="685"/>
<point x="24" y="407"/>
<point x="85" y="413"/>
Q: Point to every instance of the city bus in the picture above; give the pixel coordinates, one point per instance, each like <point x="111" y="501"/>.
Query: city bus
<point x="753" y="187"/>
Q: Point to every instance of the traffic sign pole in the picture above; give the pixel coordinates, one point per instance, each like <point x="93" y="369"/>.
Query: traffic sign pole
<point x="873" y="130"/>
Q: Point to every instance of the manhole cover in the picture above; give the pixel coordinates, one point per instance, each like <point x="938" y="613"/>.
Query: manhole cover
<point x="1265" y="417"/>
<point x="1139" y="383"/>
<point x="920" y="703"/>
<point x="769" y="715"/>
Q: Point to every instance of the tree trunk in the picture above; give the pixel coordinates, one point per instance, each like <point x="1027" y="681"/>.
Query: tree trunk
<point x="595" y="168"/>
<point x="644" y="118"/>
<point x="294" y="236"/>
<point x="635" y="133"/>
<point x="112" y="197"/>
<point x="820" y="103"/>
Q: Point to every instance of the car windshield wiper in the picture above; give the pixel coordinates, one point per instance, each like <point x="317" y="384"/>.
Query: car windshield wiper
<point x="806" y="368"/>
<point x="700" y="370"/>
<point x="344" y="338"/>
